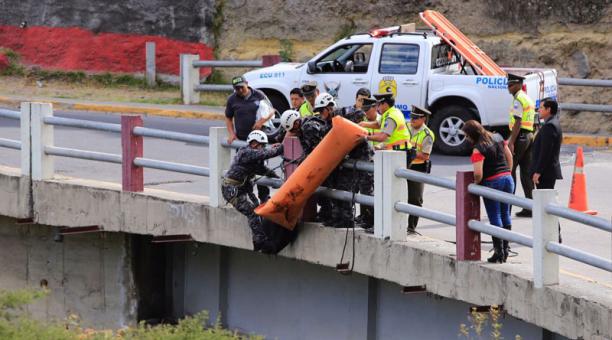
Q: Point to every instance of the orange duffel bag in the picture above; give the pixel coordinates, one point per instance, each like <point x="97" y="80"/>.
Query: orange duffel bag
<point x="286" y="204"/>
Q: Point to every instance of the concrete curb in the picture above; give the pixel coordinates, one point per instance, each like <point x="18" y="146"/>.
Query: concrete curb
<point x="587" y="140"/>
<point x="120" y="109"/>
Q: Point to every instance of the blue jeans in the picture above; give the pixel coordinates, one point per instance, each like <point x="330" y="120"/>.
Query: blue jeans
<point x="499" y="213"/>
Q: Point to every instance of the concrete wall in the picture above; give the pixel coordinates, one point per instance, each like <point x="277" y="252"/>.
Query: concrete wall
<point x="88" y="275"/>
<point x="287" y="299"/>
<point x="576" y="308"/>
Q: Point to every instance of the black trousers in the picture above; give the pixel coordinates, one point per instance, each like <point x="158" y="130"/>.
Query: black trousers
<point x="522" y="159"/>
<point x="415" y="194"/>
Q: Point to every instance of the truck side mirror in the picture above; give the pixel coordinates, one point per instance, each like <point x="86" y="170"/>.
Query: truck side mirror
<point x="312" y="67"/>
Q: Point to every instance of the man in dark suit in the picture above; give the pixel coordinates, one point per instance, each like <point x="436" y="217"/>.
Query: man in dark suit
<point x="545" y="167"/>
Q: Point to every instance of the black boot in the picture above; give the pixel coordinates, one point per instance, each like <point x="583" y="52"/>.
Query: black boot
<point x="498" y="255"/>
<point x="506" y="245"/>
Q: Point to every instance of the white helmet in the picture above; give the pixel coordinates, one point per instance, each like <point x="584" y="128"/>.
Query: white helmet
<point x="324" y="100"/>
<point x="288" y="118"/>
<point x="258" y="136"/>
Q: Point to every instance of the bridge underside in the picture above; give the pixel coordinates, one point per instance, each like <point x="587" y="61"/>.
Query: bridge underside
<point x="367" y="302"/>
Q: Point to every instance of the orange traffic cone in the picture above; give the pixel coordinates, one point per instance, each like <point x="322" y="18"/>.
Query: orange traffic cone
<point x="578" y="195"/>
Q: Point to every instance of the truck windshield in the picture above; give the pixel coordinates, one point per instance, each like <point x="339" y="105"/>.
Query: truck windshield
<point x="442" y="55"/>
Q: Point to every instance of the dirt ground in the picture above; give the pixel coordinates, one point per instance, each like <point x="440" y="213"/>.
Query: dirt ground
<point x="25" y="87"/>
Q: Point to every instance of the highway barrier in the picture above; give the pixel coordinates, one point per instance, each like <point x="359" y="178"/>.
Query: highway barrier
<point x="390" y="189"/>
<point x="190" y="74"/>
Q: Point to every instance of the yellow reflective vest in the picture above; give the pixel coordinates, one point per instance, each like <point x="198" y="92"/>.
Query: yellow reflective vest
<point x="524" y="105"/>
<point x="400" y="138"/>
<point x="418" y="138"/>
<point x="306" y="109"/>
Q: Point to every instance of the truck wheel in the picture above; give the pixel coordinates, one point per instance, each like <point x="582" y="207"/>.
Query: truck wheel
<point x="447" y="123"/>
<point x="278" y="102"/>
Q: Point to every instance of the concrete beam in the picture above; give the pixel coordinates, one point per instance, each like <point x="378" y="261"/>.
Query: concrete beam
<point x="574" y="308"/>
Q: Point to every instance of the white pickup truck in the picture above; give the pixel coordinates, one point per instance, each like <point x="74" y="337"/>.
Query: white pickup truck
<point x="420" y="69"/>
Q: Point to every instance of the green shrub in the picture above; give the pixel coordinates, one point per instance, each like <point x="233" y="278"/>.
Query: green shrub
<point x="286" y="50"/>
<point x="15" y="323"/>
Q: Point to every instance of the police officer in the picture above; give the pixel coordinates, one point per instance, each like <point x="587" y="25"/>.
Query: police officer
<point x="237" y="186"/>
<point x="422" y="138"/>
<point x="351" y="179"/>
<point x="393" y="134"/>
<point x="310" y="91"/>
<point x="522" y="117"/>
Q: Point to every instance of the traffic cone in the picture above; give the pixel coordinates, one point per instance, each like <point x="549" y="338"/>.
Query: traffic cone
<point x="578" y="195"/>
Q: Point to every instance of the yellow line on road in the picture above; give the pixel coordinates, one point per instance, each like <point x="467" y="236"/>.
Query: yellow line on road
<point x="583" y="277"/>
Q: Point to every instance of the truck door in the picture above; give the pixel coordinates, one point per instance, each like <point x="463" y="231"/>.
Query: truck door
<point x="399" y="71"/>
<point x="342" y="71"/>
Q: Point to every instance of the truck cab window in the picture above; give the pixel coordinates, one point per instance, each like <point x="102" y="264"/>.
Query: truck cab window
<point x="352" y="58"/>
<point x="399" y="59"/>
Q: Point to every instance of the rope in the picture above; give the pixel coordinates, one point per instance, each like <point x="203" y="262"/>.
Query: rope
<point x="351" y="224"/>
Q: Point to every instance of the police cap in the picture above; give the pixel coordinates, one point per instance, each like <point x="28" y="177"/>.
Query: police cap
<point x="383" y="97"/>
<point x="513" y="78"/>
<point x="419" y="112"/>
<point x="368" y="103"/>
<point x="309" y="87"/>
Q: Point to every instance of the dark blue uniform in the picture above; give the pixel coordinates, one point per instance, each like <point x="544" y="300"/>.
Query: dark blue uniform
<point x="237" y="186"/>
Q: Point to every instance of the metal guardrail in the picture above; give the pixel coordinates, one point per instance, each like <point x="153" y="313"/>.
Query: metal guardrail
<point x="586" y="107"/>
<point x="214" y="88"/>
<point x="502" y="233"/>
<point x="585" y="82"/>
<point x="10" y="114"/>
<point x="429" y="214"/>
<point x="83" y="154"/>
<point x="228" y="63"/>
<point x="576" y="216"/>
<point x="10" y="144"/>
<point x="425" y="178"/>
<point x="579" y="255"/>
<point x="500" y="196"/>
<point x="172" y="166"/>
<point x="170" y="135"/>
<point x="83" y="124"/>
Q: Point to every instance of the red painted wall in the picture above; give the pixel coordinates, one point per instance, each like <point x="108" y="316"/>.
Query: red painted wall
<point x="79" y="49"/>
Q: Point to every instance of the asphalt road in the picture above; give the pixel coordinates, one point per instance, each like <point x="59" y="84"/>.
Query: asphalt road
<point x="598" y="168"/>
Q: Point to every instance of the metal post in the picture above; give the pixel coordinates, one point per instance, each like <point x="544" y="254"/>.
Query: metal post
<point x="545" y="229"/>
<point x="190" y="78"/>
<point x="219" y="161"/>
<point x="131" y="147"/>
<point x="42" y="136"/>
<point x="150" y="63"/>
<point x="26" y="139"/>
<point x="467" y="208"/>
<point x="292" y="151"/>
<point x="269" y="60"/>
<point x="394" y="189"/>
<point x="378" y="194"/>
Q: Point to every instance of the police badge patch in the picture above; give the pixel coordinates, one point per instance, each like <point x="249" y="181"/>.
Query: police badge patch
<point x="388" y="85"/>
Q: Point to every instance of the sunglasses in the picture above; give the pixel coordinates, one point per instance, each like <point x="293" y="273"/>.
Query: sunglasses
<point x="238" y="87"/>
<point x="416" y="117"/>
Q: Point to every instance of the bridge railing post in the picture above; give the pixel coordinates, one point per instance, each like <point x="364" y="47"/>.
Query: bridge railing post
<point x="26" y="139"/>
<point x="132" y="178"/>
<point x="190" y="78"/>
<point x="467" y="207"/>
<point x="219" y="159"/>
<point x="42" y="136"/>
<point x="389" y="189"/>
<point x="545" y="229"/>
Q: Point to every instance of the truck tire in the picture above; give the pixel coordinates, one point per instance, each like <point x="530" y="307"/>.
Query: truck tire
<point x="278" y="102"/>
<point x="447" y="122"/>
